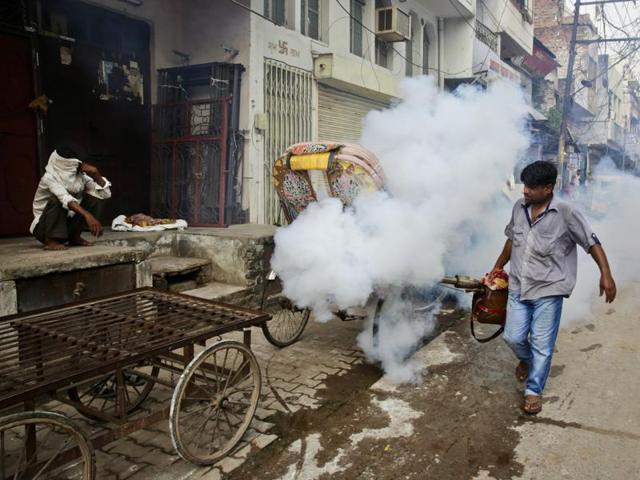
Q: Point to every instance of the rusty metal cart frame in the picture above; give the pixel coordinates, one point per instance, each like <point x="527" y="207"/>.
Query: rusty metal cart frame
<point x="103" y="357"/>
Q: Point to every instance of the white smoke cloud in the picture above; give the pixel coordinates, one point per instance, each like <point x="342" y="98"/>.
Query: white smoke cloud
<point x="446" y="158"/>
<point x="610" y="202"/>
<point x="402" y="324"/>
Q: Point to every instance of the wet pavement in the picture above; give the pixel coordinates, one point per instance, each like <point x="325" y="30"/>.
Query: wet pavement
<point x="464" y="421"/>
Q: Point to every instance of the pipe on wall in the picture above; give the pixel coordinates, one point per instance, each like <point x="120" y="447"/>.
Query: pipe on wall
<point x="440" y="51"/>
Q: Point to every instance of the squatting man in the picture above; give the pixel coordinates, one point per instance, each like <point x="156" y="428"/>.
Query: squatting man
<point x="542" y="236"/>
<point x="68" y="200"/>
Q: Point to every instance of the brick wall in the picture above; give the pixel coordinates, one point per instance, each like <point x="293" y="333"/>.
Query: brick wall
<point x="553" y="28"/>
<point x="548" y="13"/>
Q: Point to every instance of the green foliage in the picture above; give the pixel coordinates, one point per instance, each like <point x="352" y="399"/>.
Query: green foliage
<point x="554" y="118"/>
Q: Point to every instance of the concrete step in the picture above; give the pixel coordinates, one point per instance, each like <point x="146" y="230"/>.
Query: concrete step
<point x="178" y="274"/>
<point x="168" y="265"/>
<point x="215" y="291"/>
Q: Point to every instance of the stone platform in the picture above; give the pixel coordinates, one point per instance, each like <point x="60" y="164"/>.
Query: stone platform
<point x="32" y="278"/>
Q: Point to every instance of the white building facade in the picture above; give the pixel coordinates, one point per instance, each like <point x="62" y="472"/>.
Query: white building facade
<point x="314" y="68"/>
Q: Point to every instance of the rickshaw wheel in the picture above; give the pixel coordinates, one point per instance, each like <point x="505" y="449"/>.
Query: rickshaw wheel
<point x="214" y="402"/>
<point x="100" y="395"/>
<point x="41" y="445"/>
<point x="286" y="326"/>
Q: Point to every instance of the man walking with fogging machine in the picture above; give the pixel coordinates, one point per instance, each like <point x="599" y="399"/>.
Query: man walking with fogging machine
<point x="541" y="248"/>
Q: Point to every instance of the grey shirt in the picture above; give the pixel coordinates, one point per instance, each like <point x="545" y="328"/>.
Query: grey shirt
<point x="544" y="260"/>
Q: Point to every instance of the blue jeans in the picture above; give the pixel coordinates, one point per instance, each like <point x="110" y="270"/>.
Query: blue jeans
<point x="531" y="331"/>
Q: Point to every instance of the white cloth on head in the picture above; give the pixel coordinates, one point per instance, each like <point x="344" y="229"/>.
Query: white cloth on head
<point x="65" y="171"/>
<point x="63" y="180"/>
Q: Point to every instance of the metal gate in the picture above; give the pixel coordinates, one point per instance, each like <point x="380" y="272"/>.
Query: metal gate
<point x="287" y="103"/>
<point x="189" y="148"/>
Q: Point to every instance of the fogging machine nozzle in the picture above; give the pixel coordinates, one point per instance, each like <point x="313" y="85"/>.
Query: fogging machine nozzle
<point x="463" y="281"/>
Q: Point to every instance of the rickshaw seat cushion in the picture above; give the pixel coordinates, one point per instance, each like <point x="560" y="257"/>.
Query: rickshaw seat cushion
<point x="311" y="161"/>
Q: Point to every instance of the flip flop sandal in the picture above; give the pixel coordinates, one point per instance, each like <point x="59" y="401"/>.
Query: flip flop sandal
<point x="522" y="371"/>
<point x="532" y="404"/>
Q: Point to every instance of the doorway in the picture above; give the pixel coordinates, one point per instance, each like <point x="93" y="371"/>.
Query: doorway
<point x="18" y="137"/>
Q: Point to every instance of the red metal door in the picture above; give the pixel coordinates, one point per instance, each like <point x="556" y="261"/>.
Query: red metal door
<point x="188" y="174"/>
<point x="18" y="142"/>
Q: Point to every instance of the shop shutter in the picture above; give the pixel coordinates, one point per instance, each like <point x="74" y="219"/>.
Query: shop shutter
<point x="340" y="114"/>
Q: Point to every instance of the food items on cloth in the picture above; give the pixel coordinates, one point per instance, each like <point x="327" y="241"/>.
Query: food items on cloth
<point x="142" y="220"/>
<point x="145" y="223"/>
<point x="496" y="280"/>
<point x="309" y="172"/>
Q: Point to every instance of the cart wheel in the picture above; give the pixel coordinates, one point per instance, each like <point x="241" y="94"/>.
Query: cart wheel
<point x="100" y="396"/>
<point x="214" y="402"/>
<point x="286" y="326"/>
<point x="287" y="322"/>
<point x="41" y="445"/>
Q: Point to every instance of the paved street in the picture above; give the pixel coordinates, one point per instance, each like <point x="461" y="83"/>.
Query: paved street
<point x="464" y="421"/>
<point x="336" y="418"/>
<point x="299" y="375"/>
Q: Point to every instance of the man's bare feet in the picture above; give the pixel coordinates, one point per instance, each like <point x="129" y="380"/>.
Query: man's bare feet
<point x="54" y="245"/>
<point x="80" y="242"/>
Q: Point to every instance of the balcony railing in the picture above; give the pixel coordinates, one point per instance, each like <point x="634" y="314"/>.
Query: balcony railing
<point x="486" y="36"/>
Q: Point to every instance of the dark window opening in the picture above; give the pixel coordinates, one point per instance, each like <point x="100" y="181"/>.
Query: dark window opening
<point x="357" y="8"/>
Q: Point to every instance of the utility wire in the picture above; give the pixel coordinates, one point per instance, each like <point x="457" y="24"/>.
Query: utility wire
<point x="635" y="49"/>
<point x="598" y="109"/>
<point x="393" y="48"/>
<point x="498" y="25"/>
<point x="472" y="27"/>
<point x="606" y="20"/>
<point x="634" y="23"/>
<point x="235" y="2"/>
<point x="249" y="9"/>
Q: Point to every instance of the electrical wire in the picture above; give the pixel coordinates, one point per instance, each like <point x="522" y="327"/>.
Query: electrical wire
<point x="463" y="17"/>
<point x="598" y="110"/>
<point x="608" y="69"/>
<point x="620" y="16"/>
<point x="607" y="101"/>
<point x="367" y="54"/>
<point x="604" y="30"/>
<point x="606" y="20"/>
<point x="476" y="32"/>
<point x="235" y="2"/>
<point x="499" y="24"/>
<point x="393" y="48"/>
<point x="624" y="55"/>
<point x="627" y="45"/>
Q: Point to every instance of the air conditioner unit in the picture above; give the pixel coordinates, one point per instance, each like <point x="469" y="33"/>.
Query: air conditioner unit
<point x="393" y="25"/>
